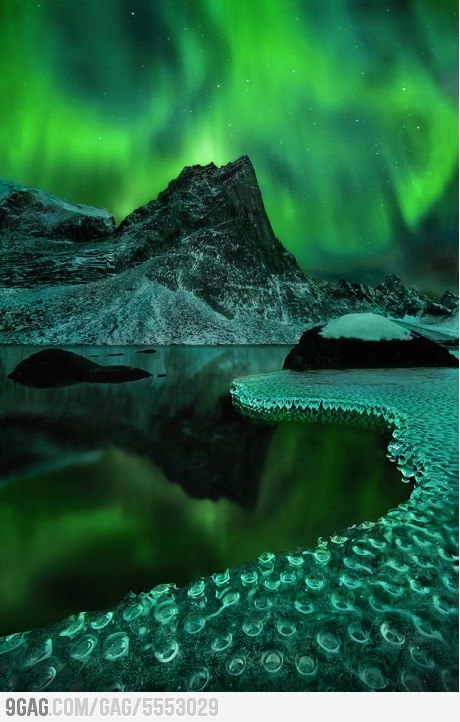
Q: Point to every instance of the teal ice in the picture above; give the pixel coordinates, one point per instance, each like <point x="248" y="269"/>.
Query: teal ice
<point x="371" y="608"/>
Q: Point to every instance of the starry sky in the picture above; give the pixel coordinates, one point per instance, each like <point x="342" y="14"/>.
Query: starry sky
<point x="347" y="109"/>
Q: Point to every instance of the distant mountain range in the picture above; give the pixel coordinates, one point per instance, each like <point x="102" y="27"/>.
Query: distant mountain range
<point x="198" y="265"/>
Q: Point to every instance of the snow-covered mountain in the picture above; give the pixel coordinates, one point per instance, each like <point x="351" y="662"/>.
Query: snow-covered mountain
<point x="45" y="239"/>
<point x="198" y="265"/>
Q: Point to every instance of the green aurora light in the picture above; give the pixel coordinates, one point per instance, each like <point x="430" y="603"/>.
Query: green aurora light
<point x="347" y="109"/>
<point x="81" y="537"/>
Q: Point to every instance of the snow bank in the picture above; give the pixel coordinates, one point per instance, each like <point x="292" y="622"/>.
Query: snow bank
<point x="365" y="326"/>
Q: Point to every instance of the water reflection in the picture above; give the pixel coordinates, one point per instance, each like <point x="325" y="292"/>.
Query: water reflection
<point x="110" y="489"/>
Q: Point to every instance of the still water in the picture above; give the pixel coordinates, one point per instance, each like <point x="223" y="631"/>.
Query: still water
<point x="109" y="488"/>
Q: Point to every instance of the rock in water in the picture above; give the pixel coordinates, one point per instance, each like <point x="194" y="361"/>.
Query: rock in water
<point x="364" y="340"/>
<point x="56" y="367"/>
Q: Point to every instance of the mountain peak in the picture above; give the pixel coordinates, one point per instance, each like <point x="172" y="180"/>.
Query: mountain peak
<point x="209" y="181"/>
<point x="199" y="264"/>
<point x="241" y="166"/>
<point x="197" y="188"/>
<point x="205" y="197"/>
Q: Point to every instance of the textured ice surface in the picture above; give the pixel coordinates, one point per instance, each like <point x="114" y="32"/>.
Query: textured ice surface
<point x="371" y="608"/>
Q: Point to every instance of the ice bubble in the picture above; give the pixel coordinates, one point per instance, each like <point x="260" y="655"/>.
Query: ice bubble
<point x="230" y="598"/>
<point x="132" y="611"/>
<point x="253" y="627"/>
<point x="166" y="611"/>
<point x="342" y="602"/>
<point x="373" y="677"/>
<point x="248" y="579"/>
<point x="198" y="680"/>
<point x="262" y="603"/>
<point x="272" y="661"/>
<point x="77" y="624"/>
<point x="116" y="645"/>
<point x="286" y="628"/>
<point x="82" y="647"/>
<point x="167" y="651"/>
<point x="272" y="584"/>
<point x="222" y="642"/>
<point x="194" y="623"/>
<point x="288" y="577"/>
<point x="442" y="605"/>
<point x="12" y="641"/>
<point x="101" y="620"/>
<point x="392" y="635"/>
<point x="43" y="679"/>
<point x="266" y="559"/>
<point x="421" y="657"/>
<point x="196" y="590"/>
<point x="236" y="665"/>
<point x="351" y="582"/>
<point x="304" y="606"/>
<point x="322" y="556"/>
<point x="40" y="651"/>
<point x="328" y="641"/>
<point x="306" y="665"/>
<point x="221" y="578"/>
<point x="411" y="682"/>
<point x="314" y="582"/>
<point x="358" y="633"/>
<point x="418" y="587"/>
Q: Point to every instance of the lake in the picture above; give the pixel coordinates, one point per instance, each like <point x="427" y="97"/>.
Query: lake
<point x="109" y="488"/>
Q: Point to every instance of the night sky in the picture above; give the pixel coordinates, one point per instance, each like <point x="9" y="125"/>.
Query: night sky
<point x="347" y="109"/>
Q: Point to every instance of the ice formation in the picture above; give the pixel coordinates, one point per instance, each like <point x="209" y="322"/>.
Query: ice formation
<point x="365" y="326"/>
<point x="371" y="608"/>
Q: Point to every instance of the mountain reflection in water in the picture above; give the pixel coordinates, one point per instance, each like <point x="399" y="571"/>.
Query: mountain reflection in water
<point x="110" y="489"/>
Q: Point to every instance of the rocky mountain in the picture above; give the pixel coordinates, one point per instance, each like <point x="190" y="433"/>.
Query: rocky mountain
<point x="198" y="265"/>
<point x="47" y="240"/>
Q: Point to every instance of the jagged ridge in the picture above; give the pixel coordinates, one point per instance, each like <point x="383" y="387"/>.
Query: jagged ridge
<point x="200" y="264"/>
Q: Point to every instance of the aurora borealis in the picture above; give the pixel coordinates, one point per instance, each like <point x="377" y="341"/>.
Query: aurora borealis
<point x="346" y="108"/>
<point x="120" y="530"/>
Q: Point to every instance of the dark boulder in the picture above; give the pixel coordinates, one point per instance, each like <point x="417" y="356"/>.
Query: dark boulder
<point x="364" y="340"/>
<point x="56" y="367"/>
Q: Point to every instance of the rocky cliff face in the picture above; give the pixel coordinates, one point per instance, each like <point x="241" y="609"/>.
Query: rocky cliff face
<point x="47" y="240"/>
<point x="200" y="264"/>
<point x="208" y="234"/>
